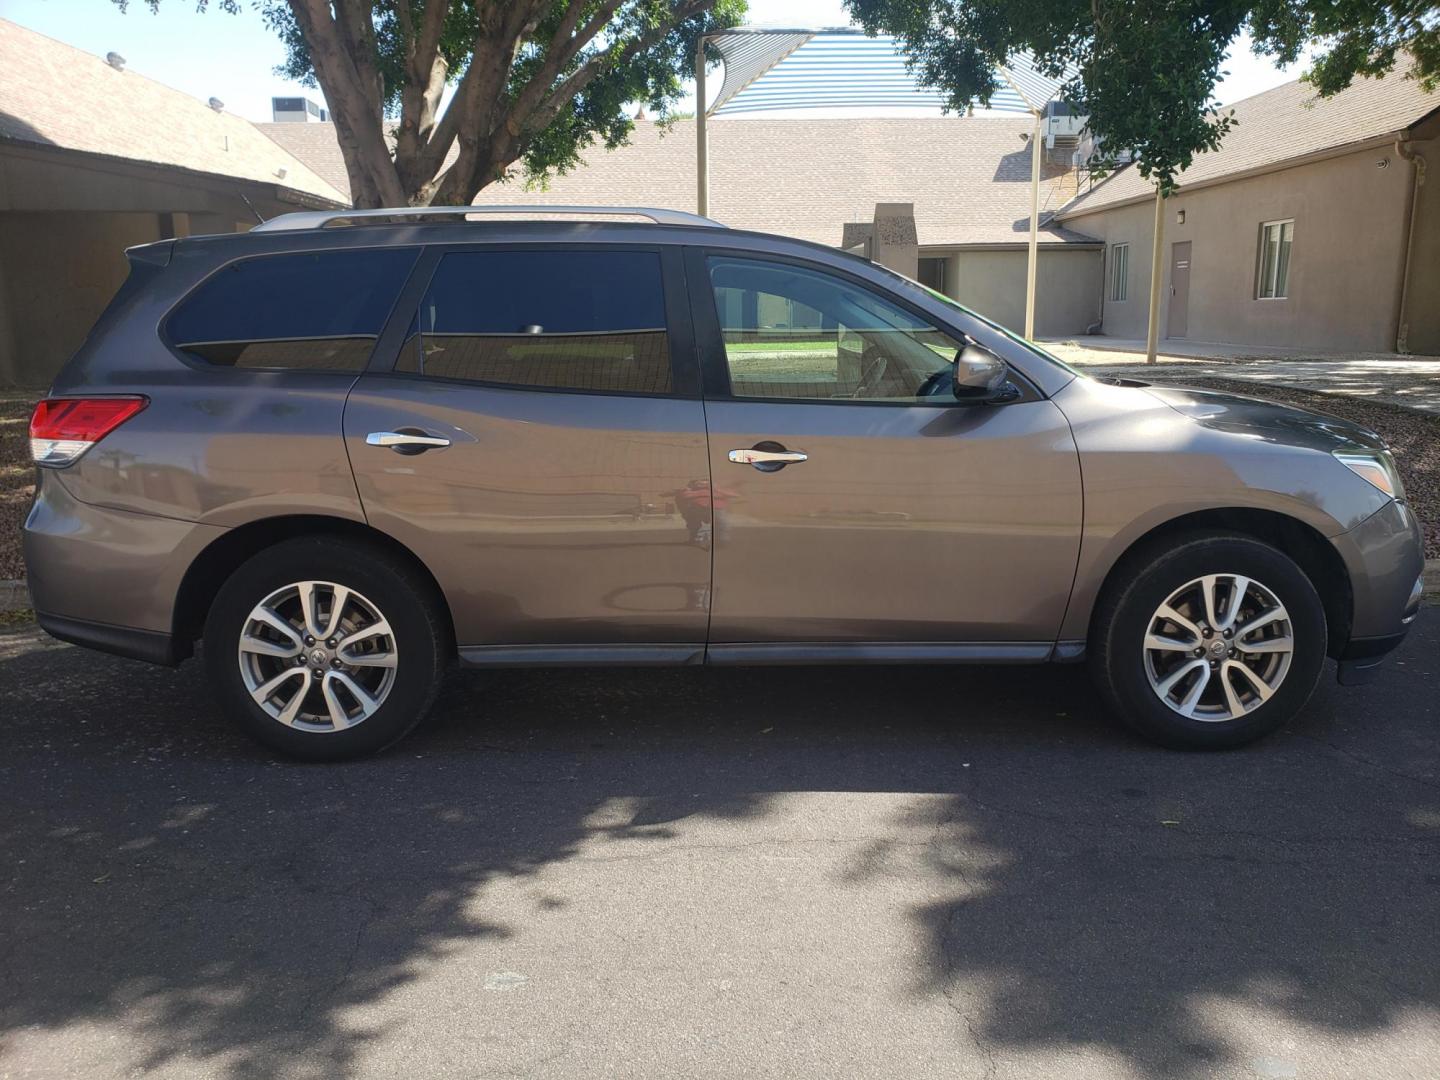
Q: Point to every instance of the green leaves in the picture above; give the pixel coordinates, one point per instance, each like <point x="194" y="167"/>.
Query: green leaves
<point x="1148" y="69"/>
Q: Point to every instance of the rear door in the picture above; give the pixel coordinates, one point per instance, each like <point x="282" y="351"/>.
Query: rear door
<point x="903" y="520"/>
<point x="534" y="433"/>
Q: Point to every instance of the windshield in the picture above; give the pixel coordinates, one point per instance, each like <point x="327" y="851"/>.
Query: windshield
<point x="1028" y="346"/>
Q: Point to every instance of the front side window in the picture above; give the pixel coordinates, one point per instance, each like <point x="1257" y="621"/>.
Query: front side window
<point x="555" y="320"/>
<point x="319" y="311"/>
<point x="1275" y="240"/>
<point x="798" y="334"/>
<point x="1120" y="272"/>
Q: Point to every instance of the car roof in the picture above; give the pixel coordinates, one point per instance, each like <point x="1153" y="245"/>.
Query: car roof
<point x="509" y="231"/>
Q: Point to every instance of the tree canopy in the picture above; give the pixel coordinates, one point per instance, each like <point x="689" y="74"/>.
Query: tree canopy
<point x="535" y="81"/>
<point x="1147" y="71"/>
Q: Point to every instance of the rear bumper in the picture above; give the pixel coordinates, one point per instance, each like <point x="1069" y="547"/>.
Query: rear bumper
<point x="107" y="578"/>
<point x="149" y="645"/>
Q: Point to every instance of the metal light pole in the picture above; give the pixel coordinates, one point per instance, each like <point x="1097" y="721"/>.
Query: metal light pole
<point x="1032" y="267"/>
<point x="1157" y="272"/>
<point x="702" y="141"/>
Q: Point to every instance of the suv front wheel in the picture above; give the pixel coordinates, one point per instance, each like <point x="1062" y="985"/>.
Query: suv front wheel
<point x="1211" y="643"/>
<point x="324" y="648"/>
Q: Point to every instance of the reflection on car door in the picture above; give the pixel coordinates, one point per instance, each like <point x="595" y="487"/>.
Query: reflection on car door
<point x="541" y="438"/>
<point x="855" y="500"/>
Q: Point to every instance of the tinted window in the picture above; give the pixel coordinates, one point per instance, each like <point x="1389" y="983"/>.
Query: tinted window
<point x="319" y="310"/>
<point x="795" y="333"/>
<point x="563" y="320"/>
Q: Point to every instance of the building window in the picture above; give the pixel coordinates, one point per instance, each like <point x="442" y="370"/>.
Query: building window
<point x="1119" y="271"/>
<point x="932" y="274"/>
<point x="1274" y="277"/>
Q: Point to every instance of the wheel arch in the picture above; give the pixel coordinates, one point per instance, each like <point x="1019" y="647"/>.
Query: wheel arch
<point x="224" y="555"/>
<point x="1316" y="556"/>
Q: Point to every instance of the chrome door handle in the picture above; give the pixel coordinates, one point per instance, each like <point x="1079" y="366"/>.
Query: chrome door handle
<point x="767" y="460"/>
<point x="405" y="441"/>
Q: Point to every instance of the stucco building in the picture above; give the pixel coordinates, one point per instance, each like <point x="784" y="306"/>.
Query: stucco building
<point x="95" y="158"/>
<point x="1313" y="226"/>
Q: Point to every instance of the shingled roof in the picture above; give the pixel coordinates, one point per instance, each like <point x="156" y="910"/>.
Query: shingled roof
<point x="969" y="178"/>
<point x="1282" y="125"/>
<point x="53" y="95"/>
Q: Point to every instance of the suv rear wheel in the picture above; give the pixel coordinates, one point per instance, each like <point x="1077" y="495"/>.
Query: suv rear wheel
<point x="1211" y="643"/>
<point x="325" y="649"/>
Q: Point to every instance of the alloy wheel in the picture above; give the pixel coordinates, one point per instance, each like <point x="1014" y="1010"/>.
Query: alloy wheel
<point x="1218" y="647"/>
<point x="317" y="656"/>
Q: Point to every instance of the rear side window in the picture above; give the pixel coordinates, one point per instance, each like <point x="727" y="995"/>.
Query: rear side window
<point x="554" y="320"/>
<point x="311" y="310"/>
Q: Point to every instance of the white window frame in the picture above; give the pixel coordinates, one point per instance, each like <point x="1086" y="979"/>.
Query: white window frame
<point x="1119" y="273"/>
<point x="1278" y="289"/>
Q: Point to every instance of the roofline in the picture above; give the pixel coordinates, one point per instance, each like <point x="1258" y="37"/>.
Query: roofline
<point x="291" y="195"/>
<point x="1341" y="150"/>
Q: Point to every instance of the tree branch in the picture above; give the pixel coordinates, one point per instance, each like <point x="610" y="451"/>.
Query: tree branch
<point x="424" y="83"/>
<point x="354" y="99"/>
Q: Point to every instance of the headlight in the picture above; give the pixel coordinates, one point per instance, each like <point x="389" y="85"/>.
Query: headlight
<point x="1376" y="466"/>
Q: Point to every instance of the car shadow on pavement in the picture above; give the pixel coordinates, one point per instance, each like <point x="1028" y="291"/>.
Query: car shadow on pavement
<point x="173" y="890"/>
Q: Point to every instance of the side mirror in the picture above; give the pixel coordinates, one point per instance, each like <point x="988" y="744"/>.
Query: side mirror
<point x="981" y="376"/>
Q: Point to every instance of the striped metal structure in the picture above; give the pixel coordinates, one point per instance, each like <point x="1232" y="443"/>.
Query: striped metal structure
<point x="773" y="69"/>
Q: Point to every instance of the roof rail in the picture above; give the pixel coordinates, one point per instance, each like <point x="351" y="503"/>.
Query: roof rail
<point x="319" y="219"/>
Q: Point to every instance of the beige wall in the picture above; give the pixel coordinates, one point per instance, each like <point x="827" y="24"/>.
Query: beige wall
<point x="60" y="270"/>
<point x="65" y="221"/>
<point x="1345" y="268"/>
<point x="992" y="282"/>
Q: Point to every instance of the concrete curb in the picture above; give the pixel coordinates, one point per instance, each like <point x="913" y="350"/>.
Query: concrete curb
<point x="15" y="597"/>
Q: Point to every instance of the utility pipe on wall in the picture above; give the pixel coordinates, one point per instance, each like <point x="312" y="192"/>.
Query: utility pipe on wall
<point x="1406" y="150"/>
<point x="1157" y="274"/>
<point x="1032" y="266"/>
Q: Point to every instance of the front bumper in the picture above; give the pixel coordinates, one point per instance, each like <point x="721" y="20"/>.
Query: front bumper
<point x="1386" y="562"/>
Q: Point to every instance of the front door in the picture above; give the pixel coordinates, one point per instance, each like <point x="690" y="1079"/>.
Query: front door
<point x="893" y="515"/>
<point x="1179" y="320"/>
<point x="538" y="441"/>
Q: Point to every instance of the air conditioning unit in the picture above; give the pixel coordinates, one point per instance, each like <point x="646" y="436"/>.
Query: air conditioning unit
<point x="296" y="110"/>
<point x="1062" y="125"/>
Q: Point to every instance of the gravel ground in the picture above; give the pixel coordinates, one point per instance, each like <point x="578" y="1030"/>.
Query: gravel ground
<point x="1414" y="436"/>
<point x="17" y="476"/>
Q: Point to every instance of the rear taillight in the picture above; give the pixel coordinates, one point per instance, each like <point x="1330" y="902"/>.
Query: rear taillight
<point x="61" y="429"/>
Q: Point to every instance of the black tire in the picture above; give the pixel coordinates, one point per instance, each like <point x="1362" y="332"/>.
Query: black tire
<point x="391" y="584"/>
<point x="1145" y="582"/>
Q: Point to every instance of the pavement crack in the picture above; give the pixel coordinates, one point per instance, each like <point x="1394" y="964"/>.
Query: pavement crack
<point x="1369" y="762"/>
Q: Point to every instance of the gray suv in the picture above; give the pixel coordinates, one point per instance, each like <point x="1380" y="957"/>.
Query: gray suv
<point x="343" y="450"/>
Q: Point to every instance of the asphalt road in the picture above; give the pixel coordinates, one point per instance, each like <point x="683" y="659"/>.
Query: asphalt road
<point x="720" y="873"/>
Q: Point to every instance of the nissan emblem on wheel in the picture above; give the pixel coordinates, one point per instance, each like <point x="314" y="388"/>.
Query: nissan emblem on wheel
<point x="345" y="449"/>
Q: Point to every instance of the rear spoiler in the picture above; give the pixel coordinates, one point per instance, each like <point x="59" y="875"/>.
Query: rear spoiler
<point x="156" y="253"/>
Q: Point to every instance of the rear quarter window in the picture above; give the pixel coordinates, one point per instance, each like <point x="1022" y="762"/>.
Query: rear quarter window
<point x="319" y="311"/>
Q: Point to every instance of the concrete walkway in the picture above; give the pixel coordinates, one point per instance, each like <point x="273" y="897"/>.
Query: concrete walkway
<point x="1391" y="378"/>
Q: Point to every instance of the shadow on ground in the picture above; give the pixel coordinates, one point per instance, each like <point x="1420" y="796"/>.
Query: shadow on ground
<point x="1072" y="889"/>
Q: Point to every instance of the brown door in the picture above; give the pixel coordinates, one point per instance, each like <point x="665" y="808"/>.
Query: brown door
<point x="1179" y="290"/>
